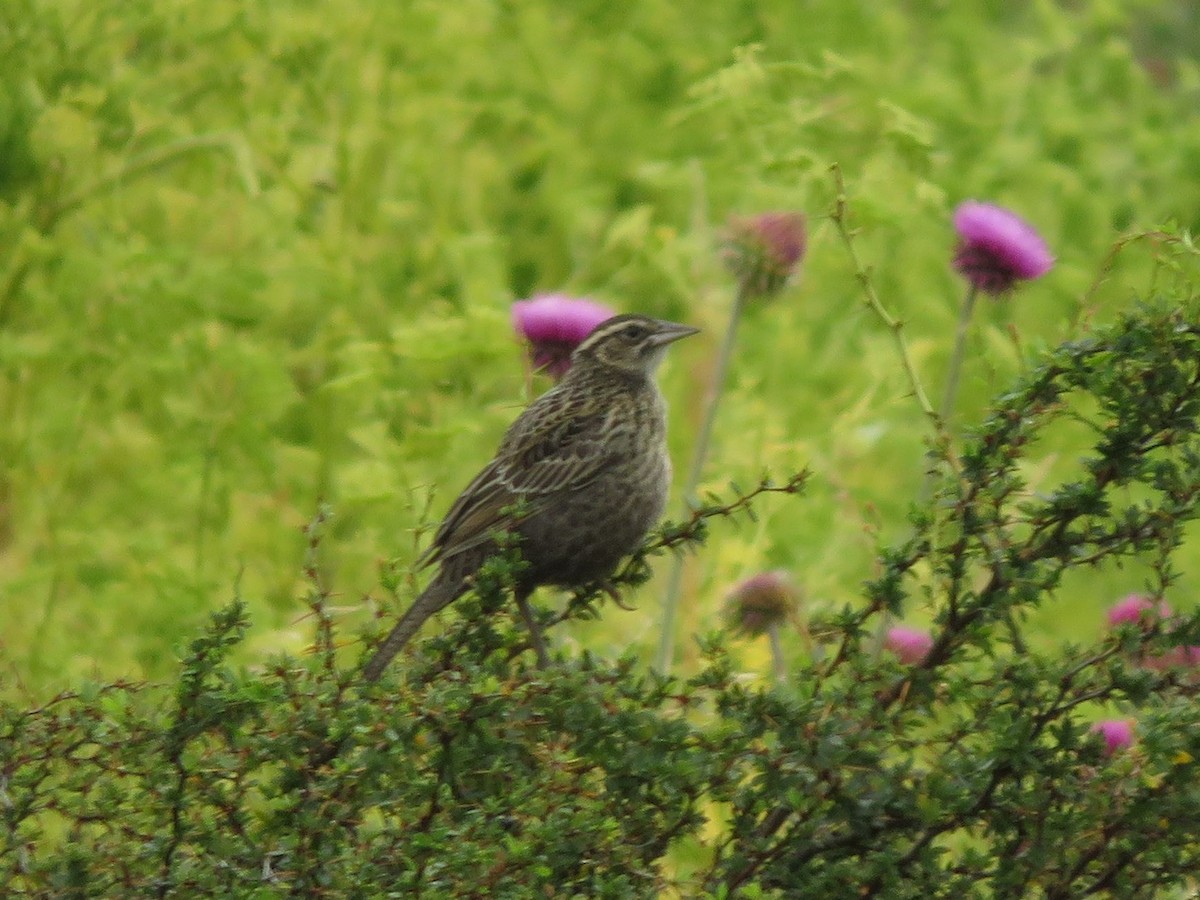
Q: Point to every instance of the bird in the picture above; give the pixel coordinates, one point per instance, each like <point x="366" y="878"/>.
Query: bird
<point x="579" y="479"/>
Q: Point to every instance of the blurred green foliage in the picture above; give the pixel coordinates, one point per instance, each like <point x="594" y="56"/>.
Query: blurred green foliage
<point x="257" y="255"/>
<point x="467" y="771"/>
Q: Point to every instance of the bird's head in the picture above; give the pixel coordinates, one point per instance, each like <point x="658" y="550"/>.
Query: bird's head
<point x="629" y="343"/>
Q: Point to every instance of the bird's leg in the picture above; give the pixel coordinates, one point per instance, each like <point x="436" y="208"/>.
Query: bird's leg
<point x="535" y="633"/>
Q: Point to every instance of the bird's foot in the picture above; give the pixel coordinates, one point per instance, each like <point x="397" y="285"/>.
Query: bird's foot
<point x="613" y="595"/>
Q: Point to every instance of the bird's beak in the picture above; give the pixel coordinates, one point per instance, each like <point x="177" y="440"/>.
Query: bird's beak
<point x="669" y="332"/>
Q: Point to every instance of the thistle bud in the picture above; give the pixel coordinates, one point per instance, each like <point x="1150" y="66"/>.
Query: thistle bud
<point x="762" y="602"/>
<point x="1117" y="734"/>
<point x="763" y="251"/>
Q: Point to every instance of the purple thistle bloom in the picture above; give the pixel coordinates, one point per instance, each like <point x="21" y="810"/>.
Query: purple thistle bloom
<point x="1116" y="733"/>
<point x="911" y="645"/>
<point x="997" y="248"/>
<point x="1136" y="609"/>
<point x="554" y="325"/>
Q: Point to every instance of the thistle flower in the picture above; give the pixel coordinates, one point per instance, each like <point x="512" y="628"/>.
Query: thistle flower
<point x="763" y="251"/>
<point x="911" y="645"/>
<point x="1139" y="610"/>
<point x="997" y="248"/>
<point x="1136" y="609"/>
<point x="1116" y="733"/>
<point x="761" y="602"/>
<point x="553" y="325"/>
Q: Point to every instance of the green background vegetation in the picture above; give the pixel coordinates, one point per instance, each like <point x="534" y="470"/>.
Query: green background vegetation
<point x="253" y="256"/>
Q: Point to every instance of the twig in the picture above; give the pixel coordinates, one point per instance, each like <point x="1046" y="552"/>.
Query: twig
<point x="894" y="325"/>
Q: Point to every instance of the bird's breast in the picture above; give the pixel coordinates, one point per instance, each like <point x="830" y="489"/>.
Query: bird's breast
<point x="584" y="533"/>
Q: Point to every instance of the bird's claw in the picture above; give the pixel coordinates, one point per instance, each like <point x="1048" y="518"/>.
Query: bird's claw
<point x="616" y="597"/>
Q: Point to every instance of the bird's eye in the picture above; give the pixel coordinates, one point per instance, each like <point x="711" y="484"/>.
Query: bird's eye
<point x="635" y="332"/>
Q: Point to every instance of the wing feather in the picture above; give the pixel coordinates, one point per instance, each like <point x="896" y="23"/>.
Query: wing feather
<point x="558" y="444"/>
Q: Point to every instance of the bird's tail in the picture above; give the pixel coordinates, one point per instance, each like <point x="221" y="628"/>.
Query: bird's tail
<point x="437" y="596"/>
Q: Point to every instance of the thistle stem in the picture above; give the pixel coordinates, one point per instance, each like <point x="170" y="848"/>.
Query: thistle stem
<point x="666" y="647"/>
<point x="960" y="347"/>
<point x="777" y="652"/>
<point x="894" y="325"/>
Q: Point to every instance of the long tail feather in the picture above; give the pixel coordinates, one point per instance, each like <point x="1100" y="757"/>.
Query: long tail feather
<point x="434" y="598"/>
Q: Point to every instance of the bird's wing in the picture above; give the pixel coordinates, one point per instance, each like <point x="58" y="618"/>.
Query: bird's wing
<point x="559" y="443"/>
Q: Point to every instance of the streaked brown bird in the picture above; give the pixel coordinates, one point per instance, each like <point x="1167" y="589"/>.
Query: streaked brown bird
<point x="580" y="478"/>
